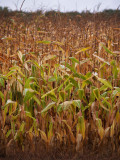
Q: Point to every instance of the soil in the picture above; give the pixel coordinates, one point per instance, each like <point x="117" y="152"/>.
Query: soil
<point x="41" y="153"/>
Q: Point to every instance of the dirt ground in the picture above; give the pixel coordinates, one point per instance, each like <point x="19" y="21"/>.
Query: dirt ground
<point x="104" y="153"/>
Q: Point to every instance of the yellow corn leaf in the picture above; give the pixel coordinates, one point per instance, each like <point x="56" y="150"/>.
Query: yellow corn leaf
<point x="81" y="126"/>
<point x="82" y="50"/>
<point x="101" y="132"/>
<point x="20" y="56"/>
<point x="43" y="136"/>
<point x="50" y="132"/>
<point x="70" y="131"/>
<point x="112" y="130"/>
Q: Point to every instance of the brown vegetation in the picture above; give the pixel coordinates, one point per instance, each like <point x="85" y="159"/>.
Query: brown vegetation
<point x="60" y="82"/>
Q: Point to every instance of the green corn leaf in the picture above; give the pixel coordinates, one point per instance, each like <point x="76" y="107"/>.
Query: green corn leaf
<point x="103" y="88"/>
<point x="77" y="103"/>
<point x="53" y="97"/>
<point x="48" y="107"/>
<point x="114" y="93"/>
<point x="105" y="82"/>
<point x="104" y="94"/>
<point x="52" y="79"/>
<point x="43" y="42"/>
<point x="68" y="87"/>
<point x="105" y="101"/>
<point x="96" y="93"/>
<point x="2" y="82"/>
<point x="50" y="92"/>
<point x="27" y="83"/>
<point x="8" y="133"/>
<point x="28" y="96"/>
<point x="28" y="114"/>
<point x="61" y="86"/>
<point x="69" y="67"/>
<point x="81" y="93"/>
<point x="1" y="95"/>
<point x="74" y="82"/>
<point x="37" y="100"/>
<point x="34" y="62"/>
<point x="117" y="89"/>
<point x="73" y="59"/>
<point x="66" y="104"/>
<point x="107" y="50"/>
<point x="62" y="95"/>
<point x="10" y="73"/>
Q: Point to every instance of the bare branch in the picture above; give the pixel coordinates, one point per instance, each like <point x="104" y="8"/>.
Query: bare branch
<point x="22" y="5"/>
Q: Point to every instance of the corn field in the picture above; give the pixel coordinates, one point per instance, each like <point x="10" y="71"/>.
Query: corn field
<point x="59" y="81"/>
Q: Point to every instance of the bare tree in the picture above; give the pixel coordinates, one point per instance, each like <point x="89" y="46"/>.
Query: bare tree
<point x="22" y="5"/>
<point x="16" y="4"/>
